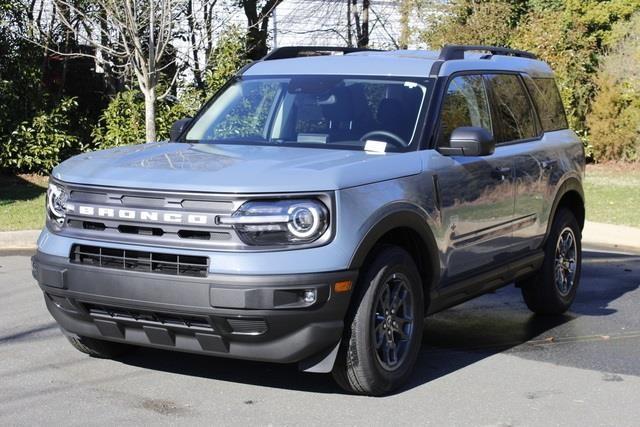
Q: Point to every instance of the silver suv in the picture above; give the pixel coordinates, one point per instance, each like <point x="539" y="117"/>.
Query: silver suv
<point x="318" y="208"/>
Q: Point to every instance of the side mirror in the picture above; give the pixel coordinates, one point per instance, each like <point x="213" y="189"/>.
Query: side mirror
<point x="471" y="141"/>
<point x="177" y="128"/>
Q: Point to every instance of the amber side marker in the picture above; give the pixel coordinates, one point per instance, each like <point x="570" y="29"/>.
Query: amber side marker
<point x="344" y="286"/>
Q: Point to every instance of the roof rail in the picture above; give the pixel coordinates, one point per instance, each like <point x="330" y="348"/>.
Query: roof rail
<point x="454" y="51"/>
<point x="298" y="51"/>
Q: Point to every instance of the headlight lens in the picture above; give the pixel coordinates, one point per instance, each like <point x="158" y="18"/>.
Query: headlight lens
<point x="280" y="222"/>
<point x="57" y="198"/>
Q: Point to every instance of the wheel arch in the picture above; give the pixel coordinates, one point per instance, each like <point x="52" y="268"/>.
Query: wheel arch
<point x="570" y="195"/>
<point x="410" y="230"/>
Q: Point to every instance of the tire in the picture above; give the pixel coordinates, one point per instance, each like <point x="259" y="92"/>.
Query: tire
<point x="544" y="293"/>
<point x="98" y="348"/>
<point x="363" y="367"/>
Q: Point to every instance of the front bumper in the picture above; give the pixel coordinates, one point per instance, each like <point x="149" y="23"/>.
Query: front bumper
<point x="246" y="317"/>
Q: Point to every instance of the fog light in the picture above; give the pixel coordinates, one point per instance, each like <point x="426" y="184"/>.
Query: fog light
<point x="309" y="297"/>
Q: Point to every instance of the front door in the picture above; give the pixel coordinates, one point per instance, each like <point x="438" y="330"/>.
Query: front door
<point x="476" y="193"/>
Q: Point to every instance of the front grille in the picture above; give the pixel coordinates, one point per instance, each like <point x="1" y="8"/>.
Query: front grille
<point x="153" y="229"/>
<point x="150" y="262"/>
<point x="160" y="218"/>
<point x="150" y="318"/>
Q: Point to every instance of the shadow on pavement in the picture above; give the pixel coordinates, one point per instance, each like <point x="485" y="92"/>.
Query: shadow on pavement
<point x="453" y="339"/>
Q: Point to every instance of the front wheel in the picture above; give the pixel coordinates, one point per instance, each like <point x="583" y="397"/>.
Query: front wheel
<point x="553" y="289"/>
<point x="383" y="333"/>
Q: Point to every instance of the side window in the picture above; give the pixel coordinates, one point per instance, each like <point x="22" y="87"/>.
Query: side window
<point x="465" y="104"/>
<point x="513" y="108"/>
<point x="547" y="99"/>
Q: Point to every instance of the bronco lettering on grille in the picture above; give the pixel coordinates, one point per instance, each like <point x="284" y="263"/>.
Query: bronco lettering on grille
<point x="144" y="215"/>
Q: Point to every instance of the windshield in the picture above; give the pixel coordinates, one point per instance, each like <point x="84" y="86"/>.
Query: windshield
<point x="321" y="111"/>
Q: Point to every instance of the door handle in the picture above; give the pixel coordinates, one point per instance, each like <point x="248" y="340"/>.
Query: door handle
<point x="548" y="164"/>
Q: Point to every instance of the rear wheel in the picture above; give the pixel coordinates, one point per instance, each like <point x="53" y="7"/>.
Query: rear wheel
<point x="98" y="348"/>
<point x="553" y="289"/>
<point x="384" y="330"/>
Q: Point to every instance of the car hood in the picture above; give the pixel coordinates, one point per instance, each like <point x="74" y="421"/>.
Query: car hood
<point x="234" y="168"/>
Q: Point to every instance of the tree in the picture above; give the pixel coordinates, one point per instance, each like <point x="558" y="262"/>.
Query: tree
<point x="258" y="13"/>
<point x="138" y="33"/>
<point x="572" y="36"/>
<point x="565" y="45"/>
<point x="200" y="29"/>
<point x="405" y="12"/>
<point x="120" y="122"/>
<point x="472" y="22"/>
<point x="615" y="114"/>
<point x="227" y="58"/>
<point x="360" y="22"/>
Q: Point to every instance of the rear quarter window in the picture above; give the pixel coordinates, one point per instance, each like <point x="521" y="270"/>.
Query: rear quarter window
<point x="546" y="98"/>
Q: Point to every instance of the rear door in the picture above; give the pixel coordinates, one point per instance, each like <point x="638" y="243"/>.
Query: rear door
<point x="520" y="132"/>
<point x="539" y="159"/>
<point x="476" y="193"/>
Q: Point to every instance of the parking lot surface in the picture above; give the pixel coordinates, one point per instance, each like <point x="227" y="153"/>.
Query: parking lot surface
<point x="486" y="362"/>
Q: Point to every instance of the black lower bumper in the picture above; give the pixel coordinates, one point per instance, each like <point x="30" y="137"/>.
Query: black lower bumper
<point x="248" y="317"/>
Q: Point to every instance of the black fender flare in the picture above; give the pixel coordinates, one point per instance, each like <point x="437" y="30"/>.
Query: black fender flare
<point x="572" y="183"/>
<point x="406" y="216"/>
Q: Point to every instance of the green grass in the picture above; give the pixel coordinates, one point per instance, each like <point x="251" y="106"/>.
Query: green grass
<point x="22" y="202"/>
<point x="612" y="194"/>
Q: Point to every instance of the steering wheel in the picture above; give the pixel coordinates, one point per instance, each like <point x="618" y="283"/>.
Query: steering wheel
<point x="389" y="136"/>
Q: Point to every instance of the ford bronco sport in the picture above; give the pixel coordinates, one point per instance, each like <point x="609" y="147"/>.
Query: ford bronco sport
<point x="318" y="208"/>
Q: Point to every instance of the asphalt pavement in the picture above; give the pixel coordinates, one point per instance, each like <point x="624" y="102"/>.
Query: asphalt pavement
<point x="486" y="362"/>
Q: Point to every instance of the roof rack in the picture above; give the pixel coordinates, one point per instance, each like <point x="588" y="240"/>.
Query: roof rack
<point x="454" y="51"/>
<point x="298" y="51"/>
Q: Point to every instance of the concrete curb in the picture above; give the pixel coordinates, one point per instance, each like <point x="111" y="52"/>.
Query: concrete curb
<point x="613" y="237"/>
<point x="16" y="240"/>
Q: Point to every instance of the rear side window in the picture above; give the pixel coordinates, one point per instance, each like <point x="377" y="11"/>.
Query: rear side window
<point x="465" y="104"/>
<point x="547" y="99"/>
<point x="513" y="108"/>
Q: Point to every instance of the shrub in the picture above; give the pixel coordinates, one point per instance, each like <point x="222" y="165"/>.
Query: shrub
<point x="228" y="57"/>
<point x="614" y="121"/>
<point x="122" y="122"/>
<point x="38" y="144"/>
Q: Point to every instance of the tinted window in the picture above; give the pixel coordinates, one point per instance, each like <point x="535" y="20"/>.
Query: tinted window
<point x="512" y="108"/>
<point x="465" y="104"/>
<point x="547" y="99"/>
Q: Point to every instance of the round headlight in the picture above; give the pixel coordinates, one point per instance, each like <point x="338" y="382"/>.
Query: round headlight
<point x="57" y="199"/>
<point x="279" y="222"/>
<point x="305" y="220"/>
